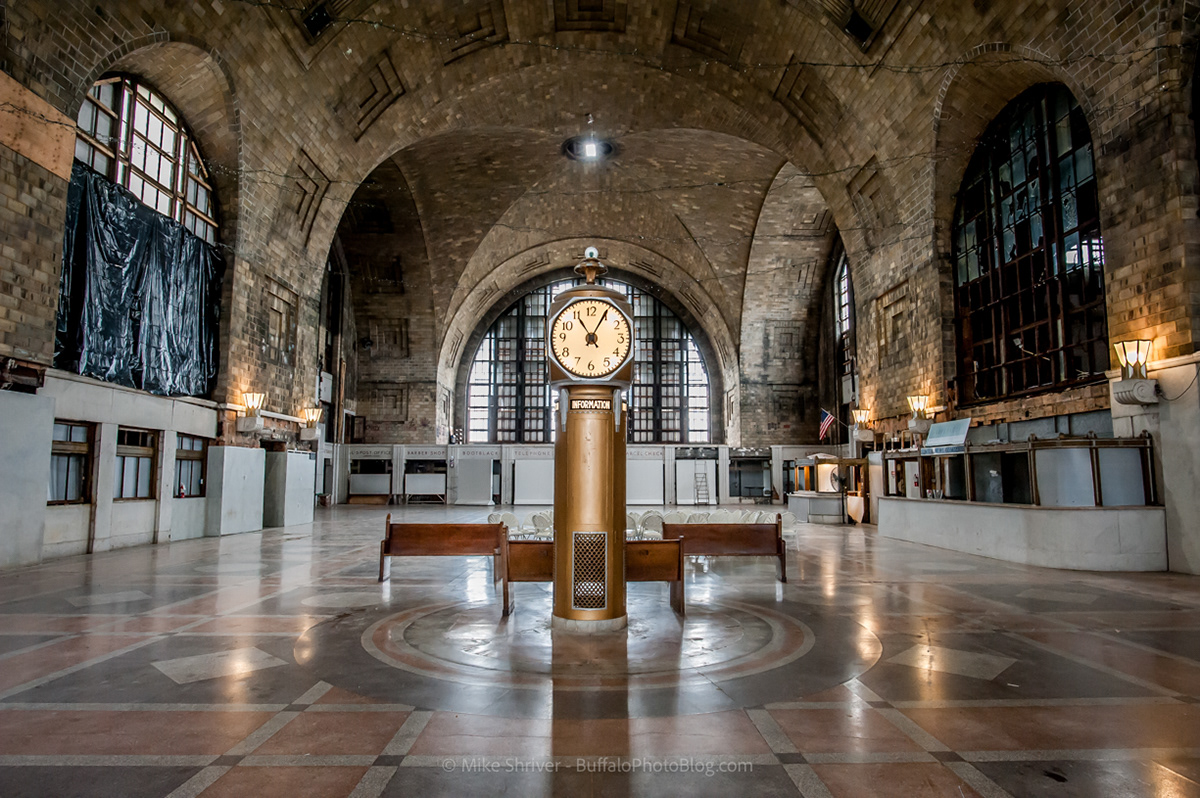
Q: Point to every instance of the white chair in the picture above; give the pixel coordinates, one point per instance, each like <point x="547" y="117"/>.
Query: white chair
<point x="651" y="526"/>
<point x="541" y="523"/>
<point x="631" y="527"/>
<point x="765" y="517"/>
<point x="789" y="520"/>
<point x="674" y="517"/>
<point x="493" y="518"/>
<point x="697" y="518"/>
<point x="514" y="526"/>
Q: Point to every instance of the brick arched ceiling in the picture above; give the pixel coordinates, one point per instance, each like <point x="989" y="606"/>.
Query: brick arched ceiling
<point x="460" y="204"/>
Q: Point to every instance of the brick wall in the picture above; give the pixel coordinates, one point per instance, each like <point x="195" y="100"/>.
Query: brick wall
<point x="293" y="128"/>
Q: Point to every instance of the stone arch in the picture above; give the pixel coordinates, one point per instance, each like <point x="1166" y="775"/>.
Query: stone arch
<point x="496" y="102"/>
<point x="981" y="85"/>
<point x="781" y="316"/>
<point x="198" y="83"/>
<point x="546" y="262"/>
<point x="983" y="82"/>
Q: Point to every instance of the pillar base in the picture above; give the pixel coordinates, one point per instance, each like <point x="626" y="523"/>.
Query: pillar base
<point x="588" y="627"/>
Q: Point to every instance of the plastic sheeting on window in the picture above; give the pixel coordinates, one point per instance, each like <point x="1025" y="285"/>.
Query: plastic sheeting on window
<point x="139" y="299"/>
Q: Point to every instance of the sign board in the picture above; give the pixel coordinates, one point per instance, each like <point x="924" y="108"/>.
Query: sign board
<point x="947" y="437"/>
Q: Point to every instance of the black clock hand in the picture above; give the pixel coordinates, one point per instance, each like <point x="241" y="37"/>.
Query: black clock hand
<point x="591" y="337"/>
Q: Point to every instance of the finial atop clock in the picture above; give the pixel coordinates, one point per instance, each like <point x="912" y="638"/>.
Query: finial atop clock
<point x="590" y="267"/>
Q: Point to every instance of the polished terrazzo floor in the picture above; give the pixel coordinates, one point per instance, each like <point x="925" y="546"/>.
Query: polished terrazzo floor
<point x="276" y="664"/>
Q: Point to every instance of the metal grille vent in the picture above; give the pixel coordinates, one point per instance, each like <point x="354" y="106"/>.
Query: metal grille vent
<point x="588" y="590"/>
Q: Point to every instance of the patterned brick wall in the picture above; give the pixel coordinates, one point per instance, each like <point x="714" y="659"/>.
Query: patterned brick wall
<point x="705" y="113"/>
<point x="32" y="204"/>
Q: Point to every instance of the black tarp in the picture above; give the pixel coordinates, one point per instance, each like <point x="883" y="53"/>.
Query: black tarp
<point x="139" y="294"/>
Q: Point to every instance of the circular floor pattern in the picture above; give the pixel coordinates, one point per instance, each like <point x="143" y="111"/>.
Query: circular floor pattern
<point x="432" y="651"/>
<point x="461" y="643"/>
<point x="342" y="601"/>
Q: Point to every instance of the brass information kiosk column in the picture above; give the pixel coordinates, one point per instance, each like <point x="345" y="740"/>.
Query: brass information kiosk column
<point x="591" y="366"/>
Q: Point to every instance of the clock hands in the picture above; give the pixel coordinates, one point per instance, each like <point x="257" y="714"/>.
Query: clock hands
<point x="591" y="338"/>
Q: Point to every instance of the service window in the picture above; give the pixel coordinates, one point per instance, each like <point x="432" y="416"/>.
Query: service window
<point x="191" y="458"/>
<point x="134" y="474"/>
<point x="70" y="463"/>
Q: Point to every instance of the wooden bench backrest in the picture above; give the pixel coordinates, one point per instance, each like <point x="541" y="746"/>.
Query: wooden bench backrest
<point x="443" y="539"/>
<point x="654" y="560"/>
<point x="716" y="539"/>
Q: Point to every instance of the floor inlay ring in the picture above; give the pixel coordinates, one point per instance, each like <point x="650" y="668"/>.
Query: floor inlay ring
<point x="463" y="643"/>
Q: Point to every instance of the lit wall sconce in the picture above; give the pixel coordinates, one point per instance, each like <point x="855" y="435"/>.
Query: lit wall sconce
<point x="252" y="420"/>
<point x="919" y="423"/>
<point x="862" y="429"/>
<point x="312" y="417"/>
<point x="1134" y="387"/>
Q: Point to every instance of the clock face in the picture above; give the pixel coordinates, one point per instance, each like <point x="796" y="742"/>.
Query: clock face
<point x="590" y="338"/>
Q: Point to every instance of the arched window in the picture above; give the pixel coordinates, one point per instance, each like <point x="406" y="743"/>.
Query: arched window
<point x="139" y="293"/>
<point x="842" y="301"/>
<point x="1028" y="254"/>
<point x="132" y="136"/>
<point x="842" y="294"/>
<point x="508" y="394"/>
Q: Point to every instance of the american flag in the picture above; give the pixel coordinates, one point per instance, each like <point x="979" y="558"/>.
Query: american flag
<point x="826" y="423"/>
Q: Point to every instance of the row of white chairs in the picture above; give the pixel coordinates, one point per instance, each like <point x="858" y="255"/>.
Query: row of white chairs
<point x="539" y="525"/>
<point x="645" y="525"/>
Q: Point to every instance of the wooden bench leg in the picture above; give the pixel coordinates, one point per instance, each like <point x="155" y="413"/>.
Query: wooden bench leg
<point x="385" y="565"/>
<point x="677" y="602"/>
<point x="783" y="565"/>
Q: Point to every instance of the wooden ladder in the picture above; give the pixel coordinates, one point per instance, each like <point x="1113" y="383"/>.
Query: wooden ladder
<point x="702" y="488"/>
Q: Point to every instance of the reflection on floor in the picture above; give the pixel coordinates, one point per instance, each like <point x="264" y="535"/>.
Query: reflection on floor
<point x="275" y="664"/>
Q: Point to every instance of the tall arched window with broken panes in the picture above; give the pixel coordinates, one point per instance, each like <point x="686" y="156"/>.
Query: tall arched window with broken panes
<point x="508" y="393"/>
<point x="1029" y="255"/>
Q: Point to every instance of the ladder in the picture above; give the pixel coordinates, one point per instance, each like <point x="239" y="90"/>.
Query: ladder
<point x="702" y="488"/>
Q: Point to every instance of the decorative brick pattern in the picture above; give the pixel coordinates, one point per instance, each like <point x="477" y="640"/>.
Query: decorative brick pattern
<point x="709" y="30"/>
<point x="882" y="138"/>
<point x="372" y="93"/>
<point x="473" y="25"/>
<point x="607" y="16"/>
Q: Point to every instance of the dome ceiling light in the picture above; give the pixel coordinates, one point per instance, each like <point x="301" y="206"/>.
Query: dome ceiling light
<point x="587" y="147"/>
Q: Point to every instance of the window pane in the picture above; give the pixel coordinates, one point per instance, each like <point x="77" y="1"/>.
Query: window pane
<point x="119" y="477"/>
<point x="59" y="465"/>
<point x="144" y="472"/>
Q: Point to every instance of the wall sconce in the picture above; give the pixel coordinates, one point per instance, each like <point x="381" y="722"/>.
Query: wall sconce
<point x="1134" y="387"/>
<point x="254" y="403"/>
<point x="312" y="417"/>
<point x="252" y="420"/>
<point x="862" y="429"/>
<point x="919" y="423"/>
<point x="1133" y="355"/>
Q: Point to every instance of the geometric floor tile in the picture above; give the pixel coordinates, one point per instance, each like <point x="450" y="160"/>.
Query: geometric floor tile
<point x="344" y="600"/>
<point x="223" y="663"/>
<point x="950" y="660"/>
<point x="94" y="599"/>
<point x="1061" y="596"/>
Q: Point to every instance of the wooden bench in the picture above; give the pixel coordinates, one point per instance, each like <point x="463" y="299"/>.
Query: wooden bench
<point x="740" y="540"/>
<point x="645" y="561"/>
<point x="657" y="561"/>
<point x="442" y="540"/>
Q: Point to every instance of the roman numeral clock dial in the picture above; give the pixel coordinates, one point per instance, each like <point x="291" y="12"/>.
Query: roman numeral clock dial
<point x="590" y="338"/>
